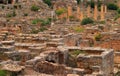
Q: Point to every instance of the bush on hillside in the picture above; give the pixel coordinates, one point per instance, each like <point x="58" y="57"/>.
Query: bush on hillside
<point x="86" y="21"/>
<point x="112" y="6"/>
<point x="60" y="11"/>
<point x="118" y="11"/>
<point x="43" y="22"/>
<point x="35" y="8"/>
<point x="48" y="2"/>
<point x="78" y="1"/>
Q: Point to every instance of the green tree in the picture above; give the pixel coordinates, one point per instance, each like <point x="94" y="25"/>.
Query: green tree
<point x="48" y="2"/>
<point x="78" y="1"/>
<point x="112" y="6"/>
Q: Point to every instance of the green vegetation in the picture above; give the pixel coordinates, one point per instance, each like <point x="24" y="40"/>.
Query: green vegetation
<point x="25" y="14"/>
<point x="71" y="17"/>
<point x="3" y="6"/>
<point x="100" y="22"/>
<point x="43" y="22"/>
<point x="78" y="29"/>
<point x="34" y="31"/>
<point x="98" y="37"/>
<point x="3" y="73"/>
<point x="92" y="4"/>
<point x="78" y="1"/>
<point x="60" y="11"/>
<point x="87" y="21"/>
<point x="117" y="16"/>
<point x="112" y="6"/>
<point x="35" y="8"/>
<point x="118" y="11"/>
<point x="75" y="53"/>
<point x="13" y="14"/>
<point x="36" y="21"/>
<point x="48" y="2"/>
<point x="72" y="60"/>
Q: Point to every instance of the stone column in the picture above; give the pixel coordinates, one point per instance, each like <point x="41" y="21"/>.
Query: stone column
<point x="102" y="13"/>
<point x="69" y="9"/>
<point x="13" y="2"/>
<point x="95" y="12"/>
<point x="88" y="11"/>
<point x="81" y="15"/>
<point x="82" y="10"/>
<point x="78" y="12"/>
<point x="105" y="8"/>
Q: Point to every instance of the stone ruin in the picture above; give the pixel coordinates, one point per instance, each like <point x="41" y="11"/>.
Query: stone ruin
<point x="93" y="61"/>
<point x="51" y="53"/>
<point x="60" y="51"/>
<point x="81" y="11"/>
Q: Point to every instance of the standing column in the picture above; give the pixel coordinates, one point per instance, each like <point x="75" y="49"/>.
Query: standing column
<point x="81" y="13"/>
<point x="78" y="12"/>
<point x="88" y="11"/>
<point x="13" y="2"/>
<point x="69" y="12"/>
<point x="95" y="12"/>
<point x="105" y="8"/>
<point x="102" y="14"/>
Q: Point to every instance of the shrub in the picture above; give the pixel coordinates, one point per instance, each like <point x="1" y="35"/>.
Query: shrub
<point x="86" y="21"/>
<point x="48" y="2"/>
<point x="78" y="1"/>
<point x="118" y="11"/>
<point x="102" y="22"/>
<point x="71" y="17"/>
<point x="75" y="53"/>
<point x="42" y="29"/>
<point x="117" y="16"/>
<point x="112" y="6"/>
<point x="35" y="21"/>
<point x="3" y="6"/>
<point x="25" y="14"/>
<point x="98" y="37"/>
<point x="13" y="14"/>
<point x="34" y="31"/>
<point x="42" y="21"/>
<point x="3" y="73"/>
<point x="60" y="11"/>
<point x="78" y="29"/>
<point x="92" y="4"/>
<point x="35" y="8"/>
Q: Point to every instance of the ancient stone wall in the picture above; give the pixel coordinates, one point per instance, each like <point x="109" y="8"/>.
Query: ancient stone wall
<point x="114" y="44"/>
<point x="55" y="69"/>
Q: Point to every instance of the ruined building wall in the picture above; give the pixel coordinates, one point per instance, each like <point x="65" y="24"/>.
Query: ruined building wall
<point x="97" y="63"/>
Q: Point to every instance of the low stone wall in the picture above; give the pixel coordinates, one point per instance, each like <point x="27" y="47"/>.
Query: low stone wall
<point x="114" y="44"/>
<point x="56" y="69"/>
